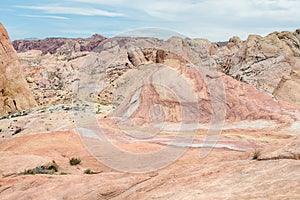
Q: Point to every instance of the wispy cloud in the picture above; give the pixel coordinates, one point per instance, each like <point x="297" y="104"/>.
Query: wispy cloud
<point x="111" y="2"/>
<point x="56" y="9"/>
<point x="218" y="9"/>
<point x="213" y="19"/>
<point x="45" y="16"/>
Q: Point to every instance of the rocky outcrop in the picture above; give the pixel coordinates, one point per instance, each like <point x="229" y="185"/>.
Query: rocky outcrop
<point x="289" y="86"/>
<point x="52" y="45"/>
<point x="270" y="63"/>
<point x="49" y="77"/>
<point x="179" y="98"/>
<point x="14" y="92"/>
<point x="281" y="150"/>
<point x="267" y="63"/>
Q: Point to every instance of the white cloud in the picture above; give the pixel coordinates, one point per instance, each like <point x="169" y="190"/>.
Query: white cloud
<point x="56" y="9"/>
<point x="111" y="2"/>
<point x="216" y="20"/>
<point x="45" y="16"/>
<point x="186" y="9"/>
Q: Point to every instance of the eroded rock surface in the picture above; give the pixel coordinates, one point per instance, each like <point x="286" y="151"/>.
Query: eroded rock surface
<point x="14" y="91"/>
<point x="149" y="93"/>
<point x="270" y="63"/>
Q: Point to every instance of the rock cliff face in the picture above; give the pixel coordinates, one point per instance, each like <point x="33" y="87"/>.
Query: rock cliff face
<point x="270" y="63"/>
<point x="14" y="92"/>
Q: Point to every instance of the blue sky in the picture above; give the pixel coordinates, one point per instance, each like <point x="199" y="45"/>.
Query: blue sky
<point x="216" y="20"/>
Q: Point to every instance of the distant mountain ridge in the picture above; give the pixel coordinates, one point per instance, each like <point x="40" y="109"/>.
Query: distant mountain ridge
<point x="50" y="45"/>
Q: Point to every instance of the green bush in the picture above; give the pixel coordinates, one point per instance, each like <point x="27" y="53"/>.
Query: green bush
<point x="75" y="161"/>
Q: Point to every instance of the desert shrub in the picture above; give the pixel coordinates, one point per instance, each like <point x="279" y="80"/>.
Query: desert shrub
<point x="49" y="168"/>
<point x="75" y="161"/>
<point x="30" y="171"/>
<point x="89" y="171"/>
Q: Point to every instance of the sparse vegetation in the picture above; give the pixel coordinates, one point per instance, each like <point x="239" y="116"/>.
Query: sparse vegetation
<point x="256" y="154"/>
<point x="74" y="161"/>
<point x="49" y="168"/>
<point x="89" y="171"/>
<point x="52" y="166"/>
<point x="30" y="171"/>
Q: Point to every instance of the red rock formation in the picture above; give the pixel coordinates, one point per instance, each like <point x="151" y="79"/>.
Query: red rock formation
<point x="14" y="92"/>
<point x="178" y="88"/>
